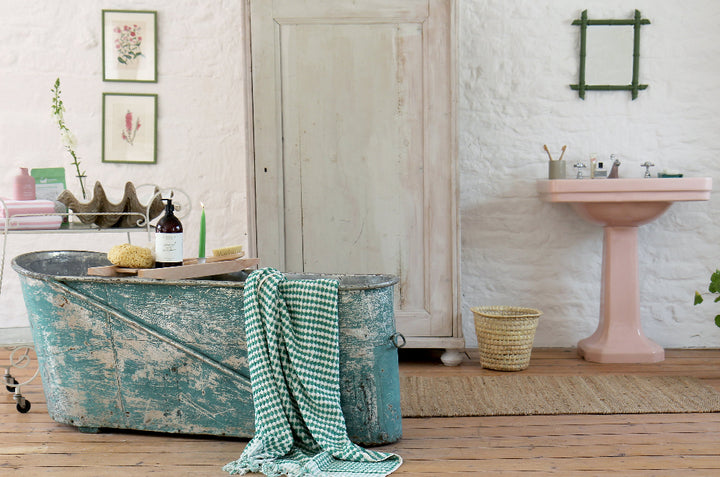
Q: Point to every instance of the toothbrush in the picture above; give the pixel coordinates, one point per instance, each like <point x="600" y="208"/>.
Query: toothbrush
<point x="562" y="153"/>
<point x="548" y="151"/>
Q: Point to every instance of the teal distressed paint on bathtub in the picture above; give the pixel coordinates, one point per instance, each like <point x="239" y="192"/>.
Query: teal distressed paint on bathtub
<point x="170" y="356"/>
<point x="368" y="363"/>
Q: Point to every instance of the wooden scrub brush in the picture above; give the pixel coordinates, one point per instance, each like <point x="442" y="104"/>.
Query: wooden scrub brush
<point x="235" y="250"/>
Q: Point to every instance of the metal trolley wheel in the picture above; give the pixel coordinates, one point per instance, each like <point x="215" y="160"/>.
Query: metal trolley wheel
<point x="12" y="385"/>
<point x="22" y="405"/>
<point x="9" y="381"/>
<point x="19" y="358"/>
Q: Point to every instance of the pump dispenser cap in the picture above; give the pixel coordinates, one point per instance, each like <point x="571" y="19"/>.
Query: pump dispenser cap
<point x="169" y="207"/>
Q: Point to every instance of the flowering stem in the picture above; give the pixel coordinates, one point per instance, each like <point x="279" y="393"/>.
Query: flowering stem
<point x="57" y="110"/>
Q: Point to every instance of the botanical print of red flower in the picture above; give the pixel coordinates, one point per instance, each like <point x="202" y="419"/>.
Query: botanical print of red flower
<point x="128" y="44"/>
<point x="130" y="130"/>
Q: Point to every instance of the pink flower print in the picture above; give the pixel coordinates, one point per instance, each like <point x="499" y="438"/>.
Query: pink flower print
<point x="128" y="44"/>
<point x="128" y="134"/>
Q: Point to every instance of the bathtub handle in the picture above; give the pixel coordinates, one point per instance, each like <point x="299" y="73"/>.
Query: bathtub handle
<point x="398" y="340"/>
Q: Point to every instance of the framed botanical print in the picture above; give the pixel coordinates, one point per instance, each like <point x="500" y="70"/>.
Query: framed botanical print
<point x="129" y="45"/>
<point x="129" y="128"/>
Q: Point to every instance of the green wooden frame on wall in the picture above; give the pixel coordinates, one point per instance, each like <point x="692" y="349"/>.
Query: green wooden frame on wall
<point x="129" y="128"/>
<point x="634" y="85"/>
<point x="129" y="45"/>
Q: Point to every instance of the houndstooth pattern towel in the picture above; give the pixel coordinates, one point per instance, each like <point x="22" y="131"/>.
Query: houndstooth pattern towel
<point x="291" y="329"/>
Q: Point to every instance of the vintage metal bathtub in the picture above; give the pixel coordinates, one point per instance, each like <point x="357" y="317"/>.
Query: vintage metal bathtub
<point x="170" y="356"/>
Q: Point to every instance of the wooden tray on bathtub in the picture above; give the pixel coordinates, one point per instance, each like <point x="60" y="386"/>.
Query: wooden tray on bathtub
<point x="189" y="269"/>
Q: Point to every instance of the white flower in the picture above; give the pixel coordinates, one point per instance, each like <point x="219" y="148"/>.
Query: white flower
<point x="68" y="139"/>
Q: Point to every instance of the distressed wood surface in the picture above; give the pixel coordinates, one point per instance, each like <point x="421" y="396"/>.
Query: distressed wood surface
<point x="355" y="157"/>
<point x="664" y="445"/>
<point x="196" y="270"/>
<point x="190" y="269"/>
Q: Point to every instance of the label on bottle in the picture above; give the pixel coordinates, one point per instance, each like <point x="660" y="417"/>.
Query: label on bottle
<point x="168" y="248"/>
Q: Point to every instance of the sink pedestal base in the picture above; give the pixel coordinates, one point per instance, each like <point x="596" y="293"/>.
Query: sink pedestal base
<point x="619" y="337"/>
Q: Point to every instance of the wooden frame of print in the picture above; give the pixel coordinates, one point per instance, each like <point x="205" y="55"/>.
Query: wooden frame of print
<point x="129" y="128"/>
<point x="129" y="46"/>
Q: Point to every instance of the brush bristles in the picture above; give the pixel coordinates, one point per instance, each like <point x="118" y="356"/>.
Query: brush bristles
<point x="219" y="252"/>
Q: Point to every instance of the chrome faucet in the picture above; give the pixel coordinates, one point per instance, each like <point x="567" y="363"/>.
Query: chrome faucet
<point x="616" y="165"/>
<point x="647" y="165"/>
<point x="579" y="166"/>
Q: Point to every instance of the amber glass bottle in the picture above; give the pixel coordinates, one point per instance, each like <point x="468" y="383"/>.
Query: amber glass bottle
<point x="168" y="238"/>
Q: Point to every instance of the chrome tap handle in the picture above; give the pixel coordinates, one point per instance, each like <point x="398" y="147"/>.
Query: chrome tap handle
<point x="647" y="165"/>
<point x="579" y="166"/>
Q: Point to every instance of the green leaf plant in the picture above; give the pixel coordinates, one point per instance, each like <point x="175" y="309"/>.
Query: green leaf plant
<point x="713" y="288"/>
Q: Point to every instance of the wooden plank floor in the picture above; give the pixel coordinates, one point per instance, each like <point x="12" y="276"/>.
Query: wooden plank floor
<point x="625" y="445"/>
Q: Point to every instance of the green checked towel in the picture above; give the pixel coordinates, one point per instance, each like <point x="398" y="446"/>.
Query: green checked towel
<point x="292" y="338"/>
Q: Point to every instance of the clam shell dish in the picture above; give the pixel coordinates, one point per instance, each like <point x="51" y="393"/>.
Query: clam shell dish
<point x="129" y="212"/>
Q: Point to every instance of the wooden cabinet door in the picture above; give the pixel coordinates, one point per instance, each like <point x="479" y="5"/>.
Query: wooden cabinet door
<point x="353" y="121"/>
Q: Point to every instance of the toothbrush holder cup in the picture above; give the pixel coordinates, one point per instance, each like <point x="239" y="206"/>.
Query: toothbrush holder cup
<point x="557" y="169"/>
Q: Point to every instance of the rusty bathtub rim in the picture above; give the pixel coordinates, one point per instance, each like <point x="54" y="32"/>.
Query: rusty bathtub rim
<point x="351" y="281"/>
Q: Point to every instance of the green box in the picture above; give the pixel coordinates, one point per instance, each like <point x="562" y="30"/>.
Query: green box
<point x="49" y="182"/>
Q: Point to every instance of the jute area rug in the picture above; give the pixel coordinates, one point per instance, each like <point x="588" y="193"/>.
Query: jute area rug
<point x="512" y="395"/>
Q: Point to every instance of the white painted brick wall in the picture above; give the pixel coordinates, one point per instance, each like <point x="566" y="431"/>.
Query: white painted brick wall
<point x="516" y="59"/>
<point x="201" y="129"/>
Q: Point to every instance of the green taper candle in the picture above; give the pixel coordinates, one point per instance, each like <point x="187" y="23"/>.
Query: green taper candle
<point x="201" y="253"/>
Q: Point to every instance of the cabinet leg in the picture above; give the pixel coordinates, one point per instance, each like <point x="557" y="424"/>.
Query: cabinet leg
<point x="452" y="357"/>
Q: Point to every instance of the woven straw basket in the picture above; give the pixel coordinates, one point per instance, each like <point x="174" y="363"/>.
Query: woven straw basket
<point x="505" y="336"/>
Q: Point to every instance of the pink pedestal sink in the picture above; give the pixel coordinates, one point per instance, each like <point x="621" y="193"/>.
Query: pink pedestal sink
<point x="620" y="206"/>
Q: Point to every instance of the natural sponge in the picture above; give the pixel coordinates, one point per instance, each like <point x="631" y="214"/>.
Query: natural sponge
<point x="131" y="256"/>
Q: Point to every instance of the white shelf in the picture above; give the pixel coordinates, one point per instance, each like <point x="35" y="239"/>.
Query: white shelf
<point x="80" y="228"/>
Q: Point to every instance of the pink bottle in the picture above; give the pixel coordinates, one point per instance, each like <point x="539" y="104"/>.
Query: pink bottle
<point x="24" y="185"/>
